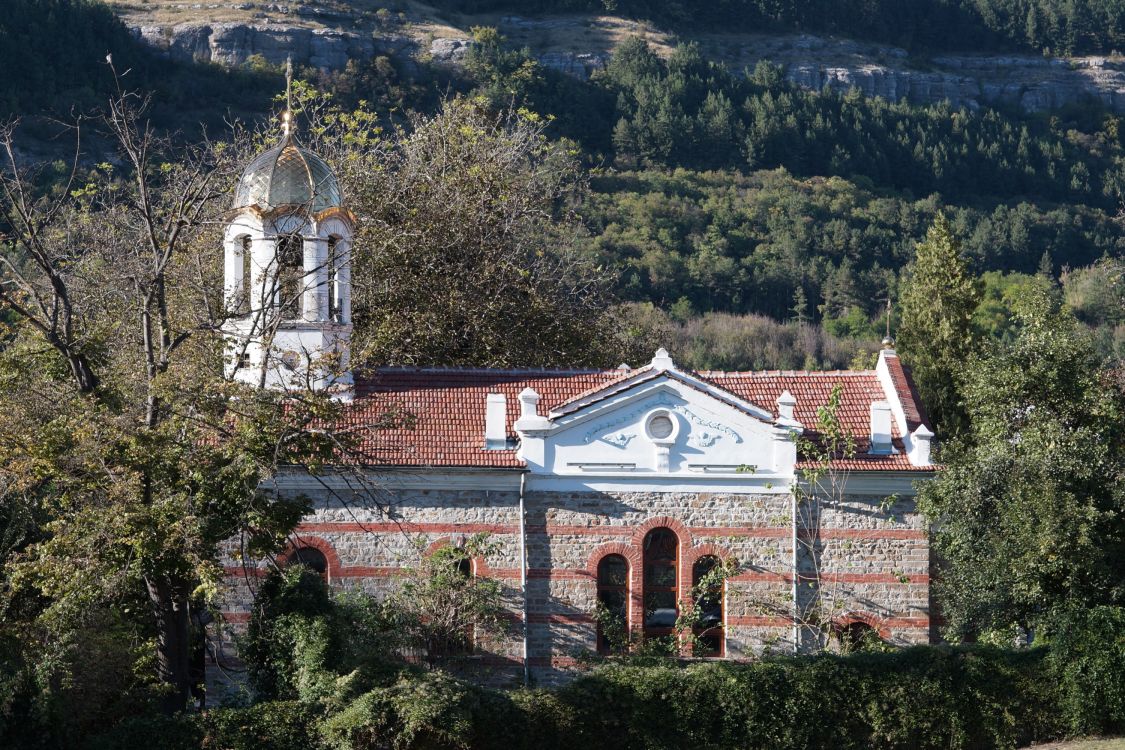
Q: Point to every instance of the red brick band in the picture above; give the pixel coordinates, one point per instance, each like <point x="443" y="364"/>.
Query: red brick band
<point x="605" y="530"/>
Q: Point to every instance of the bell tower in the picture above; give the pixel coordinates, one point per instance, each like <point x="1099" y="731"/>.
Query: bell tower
<point x="287" y="272"/>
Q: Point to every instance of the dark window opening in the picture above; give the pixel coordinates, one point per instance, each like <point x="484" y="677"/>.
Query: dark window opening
<point x="290" y="275"/>
<point x="707" y="588"/>
<point x="246" y="289"/>
<point x="613" y="595"/>
<point x="858" y="636"/>
<point x="311" y="558"/>
<point x="661" y="589"/>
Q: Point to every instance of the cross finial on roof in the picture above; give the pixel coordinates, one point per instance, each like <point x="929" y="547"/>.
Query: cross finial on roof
<point x="287" y="115"/>
<point x="888" y="340"/>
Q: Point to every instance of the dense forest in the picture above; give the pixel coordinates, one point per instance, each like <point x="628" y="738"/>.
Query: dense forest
<point x="54" y="57"/>
<point x="728" y="195"/>
<point x="724" y="204"/>
<point x="1057" y="26"/>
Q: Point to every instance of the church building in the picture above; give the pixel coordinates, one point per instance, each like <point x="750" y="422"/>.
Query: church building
<point x="622" y="487"/>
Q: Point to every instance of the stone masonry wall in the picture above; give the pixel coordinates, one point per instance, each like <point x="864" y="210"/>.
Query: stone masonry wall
<point x="873" y="562"/>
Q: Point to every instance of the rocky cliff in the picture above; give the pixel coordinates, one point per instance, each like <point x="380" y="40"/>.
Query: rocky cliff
<point x="1030" y="82"/>
<point x="235" y="43"/>
<point x="579" y="46"/>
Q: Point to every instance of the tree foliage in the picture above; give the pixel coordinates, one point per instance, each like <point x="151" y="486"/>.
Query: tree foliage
<point x="1062" y="26"/>
<point x="938" y="300"/>
<point x="465" y="253"/>
<point x="118" y="430"/>
<point x="1027" y="510"/>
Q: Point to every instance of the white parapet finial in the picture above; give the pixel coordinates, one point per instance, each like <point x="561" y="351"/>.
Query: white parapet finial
<point x="786" y="404"/>
<point x="662" y="360"/>
<point x="921" y="441"/>
<point x="530" y="419"/>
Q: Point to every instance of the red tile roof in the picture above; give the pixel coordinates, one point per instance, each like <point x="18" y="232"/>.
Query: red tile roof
<point x="440" y="412"/>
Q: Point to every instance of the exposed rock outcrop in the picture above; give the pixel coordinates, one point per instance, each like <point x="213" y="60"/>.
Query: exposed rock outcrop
<point x="445" y="50"/>
<point x="235" y="43"/>
<point x="1033" y="83"/>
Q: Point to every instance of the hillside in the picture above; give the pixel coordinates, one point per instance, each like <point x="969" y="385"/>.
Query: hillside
<point x="327" y="35"/>
<point x="740" y="184"/>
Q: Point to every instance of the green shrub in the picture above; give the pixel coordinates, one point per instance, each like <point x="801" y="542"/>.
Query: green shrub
<point x="430" y="710"/>
<point x="149" y="732"/>
<point x="287" y="602"/>
<point x="1088" y="662"/>
<point x="27" y="708"/>
<point x="275" y="725"/>
<point x="920" y="698"/>
<point x="917" y="698"/>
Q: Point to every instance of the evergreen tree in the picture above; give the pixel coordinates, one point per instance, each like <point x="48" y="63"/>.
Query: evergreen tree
<point x="935" y="335"/>
<point x="800" y="306"/>
<point x="1028" y="509"/>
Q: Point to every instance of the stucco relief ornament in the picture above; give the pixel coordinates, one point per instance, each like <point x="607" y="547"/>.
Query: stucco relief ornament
<point x="720" y="429"/>
<point x="621" y="439"/>
<point x="703" y="439"/>
<point x="624" y="419"/>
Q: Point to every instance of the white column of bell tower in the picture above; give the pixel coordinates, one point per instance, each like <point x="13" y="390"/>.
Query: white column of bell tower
<point x="315" y="254"/>
<point x="243" y="297"/>
<point x="344" y="280"/>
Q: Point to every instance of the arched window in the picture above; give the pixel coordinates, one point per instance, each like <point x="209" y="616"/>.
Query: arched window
<point x="458" y="643"/>
<point x="857" y="636"/>
<point x="311" y="558"/>
<point x="613" y="595"/>
<point x="661" y="566"/>
<point x="335" y="309"/>
<point x="707" y="588"/>
<point x="290" y="275"/>
<point x="246" y="288"/>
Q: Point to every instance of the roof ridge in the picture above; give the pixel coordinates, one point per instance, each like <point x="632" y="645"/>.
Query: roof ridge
<point x="781" y="373"/>
<point x="487" y="370"/>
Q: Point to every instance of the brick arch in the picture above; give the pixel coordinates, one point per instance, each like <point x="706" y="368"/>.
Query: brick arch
<point x="877" y="623"/>
<point x="323" y="546"/>
<point x="632" y="553"/>
<point x="683" y="582"/>
<point x="687" y="565"/>
<point x="480" y="565"/>
<point x="682" y="531"/>
<point x="689" y="558"/>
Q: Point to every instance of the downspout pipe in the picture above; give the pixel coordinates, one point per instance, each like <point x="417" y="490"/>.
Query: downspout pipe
<point x="523" y="575"/>
<point x="796" y="587"/>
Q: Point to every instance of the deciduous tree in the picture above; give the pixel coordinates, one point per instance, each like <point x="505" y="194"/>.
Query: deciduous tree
<point x="117" y="425"/>
<point x="465" y="253"/>
<point x="1028" y="509"/>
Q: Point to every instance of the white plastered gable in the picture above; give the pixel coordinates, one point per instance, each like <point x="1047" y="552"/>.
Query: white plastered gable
<point x="661" y="422"/>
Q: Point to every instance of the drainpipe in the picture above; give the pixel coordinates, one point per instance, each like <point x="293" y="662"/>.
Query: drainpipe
<point x="796" y="570"/>
<point x="523" y="575"/>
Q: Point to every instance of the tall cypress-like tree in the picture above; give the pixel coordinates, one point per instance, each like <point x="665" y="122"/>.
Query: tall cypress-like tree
<point x="935" y="335"/>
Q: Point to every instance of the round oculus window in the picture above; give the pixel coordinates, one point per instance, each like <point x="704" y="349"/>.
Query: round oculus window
<point x="660" y="427"/>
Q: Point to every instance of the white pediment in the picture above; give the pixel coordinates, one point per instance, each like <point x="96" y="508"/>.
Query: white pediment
<point x="669" y="425"/>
